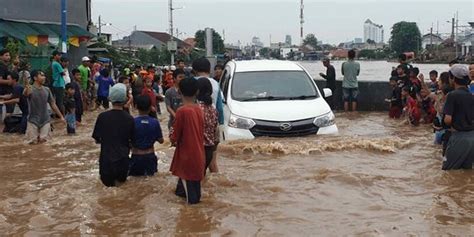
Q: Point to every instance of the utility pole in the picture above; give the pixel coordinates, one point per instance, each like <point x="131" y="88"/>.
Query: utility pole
<point x="64" y="26"/>
<point x="301" y="21"/>
<point x="170" y="2"/>
<point x="100" y="27"/>
<point x="456" y="36"/>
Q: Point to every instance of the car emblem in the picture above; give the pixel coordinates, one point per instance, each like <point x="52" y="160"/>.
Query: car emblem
<point x="286" y="127"/>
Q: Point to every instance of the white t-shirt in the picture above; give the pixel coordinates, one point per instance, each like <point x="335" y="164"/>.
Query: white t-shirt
<point x="67" y="78"/>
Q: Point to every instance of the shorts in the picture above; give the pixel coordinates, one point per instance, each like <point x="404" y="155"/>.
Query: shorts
<point x="112" y="172"/>
<point x="459" y="151"/>
<point x="33" y="132"/>
<point x="395" y="112"/>
<point x="71" y="123"/>
<point x="439" y="137"/>
<point x="9" y="109"/>
<point x="104" y="101"/>
<point x="350" y="94"/>
<point x="143" y="165"/>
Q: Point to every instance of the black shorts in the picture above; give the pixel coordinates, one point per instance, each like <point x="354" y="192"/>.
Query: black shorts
<point x="143" y="165"/>
<point x="112" y="172"/>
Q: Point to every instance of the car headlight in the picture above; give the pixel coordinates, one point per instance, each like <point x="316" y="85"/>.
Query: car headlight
<point x="325" y="120"/>
<point x="239" y="122"/>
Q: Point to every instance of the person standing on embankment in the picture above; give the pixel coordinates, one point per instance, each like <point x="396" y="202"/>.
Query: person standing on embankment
<point x="350" y="86"/>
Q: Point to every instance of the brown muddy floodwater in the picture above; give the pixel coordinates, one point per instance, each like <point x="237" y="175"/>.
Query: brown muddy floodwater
<point x="375" y="178"/>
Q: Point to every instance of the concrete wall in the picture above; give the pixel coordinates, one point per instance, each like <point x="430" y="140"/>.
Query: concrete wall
<point x="371" y="95"/>
<point x="45" y="10"/>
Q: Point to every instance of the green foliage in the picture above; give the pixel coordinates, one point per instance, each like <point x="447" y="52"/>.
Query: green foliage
<point x="13" y="46"/>
<point x="311" y="40"/>
<point x="374" y="54"/>
<point x="370" y="41"/>
<point x="406" y="37"/>
<point x="265" y="52"/>
<point x="217" y="42"/>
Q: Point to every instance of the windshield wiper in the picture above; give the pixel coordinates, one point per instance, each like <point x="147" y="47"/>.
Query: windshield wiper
<point x="302" y="97"/>
<point x="266" y="98"/>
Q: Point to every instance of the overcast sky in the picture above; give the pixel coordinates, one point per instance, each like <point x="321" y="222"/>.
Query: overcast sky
<point x="332" y="21"/>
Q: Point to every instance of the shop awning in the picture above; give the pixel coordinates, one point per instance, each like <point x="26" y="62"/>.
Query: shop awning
<point x="23" y="30"/>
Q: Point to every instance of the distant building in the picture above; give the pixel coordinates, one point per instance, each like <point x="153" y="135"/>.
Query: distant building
<point x="256" y="42"/>
<point x="430" y="40"/>
<point x="373" y="32"/>
<point x="358" y="40"/>
<point x="288" y="40"/>
<point x="149" y="40"/>
<point x="285" y="52"/>
<point x="234" y="51"/>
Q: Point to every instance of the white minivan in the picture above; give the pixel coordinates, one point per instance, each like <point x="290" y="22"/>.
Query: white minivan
<point x="273" y="98"/>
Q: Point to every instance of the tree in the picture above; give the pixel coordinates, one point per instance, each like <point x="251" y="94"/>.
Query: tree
<point x="311" y="40"/>
<point x="217" y="42"/>
<point x="406" y="37"/>
<point x="265" y="52"/>
<point x="370" y="41"/>
<point x="366" y="53"/>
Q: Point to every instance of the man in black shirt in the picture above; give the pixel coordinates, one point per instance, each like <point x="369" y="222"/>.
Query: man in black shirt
<point x="330" y="77"/>
<point x="5" y="79"/>
<point x="459" y="114"/>
<point x="114" y="131"/>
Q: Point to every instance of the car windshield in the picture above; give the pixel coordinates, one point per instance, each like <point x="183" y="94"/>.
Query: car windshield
<point x="273" y="85"/>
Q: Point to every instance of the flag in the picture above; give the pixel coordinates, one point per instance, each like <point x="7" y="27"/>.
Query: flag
<point x="54" y="41"/>
<point x="83" y="39"/>
<point x="32" y="39"/>
<point x="74" y="41"/>
<point x="42" y="39"/>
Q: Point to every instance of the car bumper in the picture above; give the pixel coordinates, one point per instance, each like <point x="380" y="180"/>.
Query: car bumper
<point x="232" y="134"/>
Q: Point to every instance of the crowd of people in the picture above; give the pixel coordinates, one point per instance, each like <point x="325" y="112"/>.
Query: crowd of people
<point x="446" y="102"/>
<point x="194" y="103"/>
<point x="192" y="99"/>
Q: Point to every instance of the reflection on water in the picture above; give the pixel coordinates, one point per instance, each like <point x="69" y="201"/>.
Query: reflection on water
<point x="374" y="178"/>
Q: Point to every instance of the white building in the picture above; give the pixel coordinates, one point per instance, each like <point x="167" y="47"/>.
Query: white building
<point x="256" y="42"/>
<point x="288" y="41"/>
<point x="373" y="32"/>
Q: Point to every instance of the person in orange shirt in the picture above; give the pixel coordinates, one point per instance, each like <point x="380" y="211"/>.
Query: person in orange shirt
<point x="168" y="81"/>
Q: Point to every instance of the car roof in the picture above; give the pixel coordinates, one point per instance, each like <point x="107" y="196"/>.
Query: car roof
<point x="266" y="65"/>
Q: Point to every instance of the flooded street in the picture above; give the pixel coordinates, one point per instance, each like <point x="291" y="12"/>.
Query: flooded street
<point x="375" y="178"/>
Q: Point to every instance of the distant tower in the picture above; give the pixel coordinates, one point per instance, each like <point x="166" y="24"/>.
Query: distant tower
<point x="302" y="21"/>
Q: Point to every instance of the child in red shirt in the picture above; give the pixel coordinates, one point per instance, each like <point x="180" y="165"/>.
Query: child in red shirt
<point x="148" y="91"/>
<point x="411" y="108"/>
<point x="188" y="137"/>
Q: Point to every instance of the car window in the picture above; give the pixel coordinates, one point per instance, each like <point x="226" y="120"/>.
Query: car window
<point x="225" y="82"/>
<point x="272" y="85"/>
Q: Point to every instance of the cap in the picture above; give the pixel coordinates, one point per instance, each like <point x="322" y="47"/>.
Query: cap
<point x="118" y="93"/>
<point x="459" y="71"/>
<point x="167" y="68"/>
<point x="173" y="68"/>
<point x="86" y="59"/>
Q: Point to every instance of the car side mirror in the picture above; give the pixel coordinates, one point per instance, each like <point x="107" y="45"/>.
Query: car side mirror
<point x="327" y="92"/>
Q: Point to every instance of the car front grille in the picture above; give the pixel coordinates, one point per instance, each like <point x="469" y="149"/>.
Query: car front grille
<point x="284" y="129"/>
